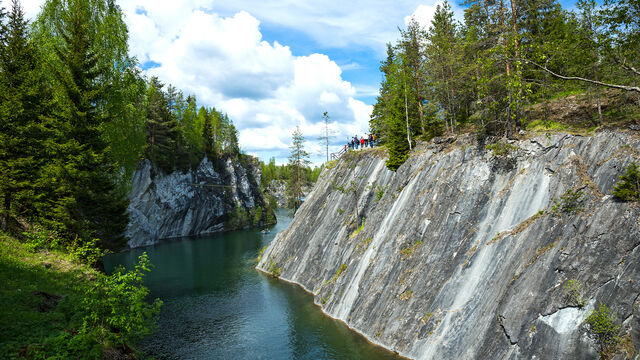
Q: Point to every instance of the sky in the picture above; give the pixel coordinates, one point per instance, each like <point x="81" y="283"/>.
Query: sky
<point x="272" y="65"/>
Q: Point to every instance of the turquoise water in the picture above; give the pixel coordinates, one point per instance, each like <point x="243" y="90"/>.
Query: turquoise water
<point x="217" y="306"/>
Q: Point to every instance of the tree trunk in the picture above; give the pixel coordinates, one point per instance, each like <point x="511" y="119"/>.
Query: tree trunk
<point x="598" y="100"/>
<point x="507" y="66"/>
<point x="446" y="122"/>
<point x="416" y="70"/>
<point x="7" y="208"/>
<point x="406" y="113"/>
<point x="453" y="104"/>
<point x="514" y="17"/>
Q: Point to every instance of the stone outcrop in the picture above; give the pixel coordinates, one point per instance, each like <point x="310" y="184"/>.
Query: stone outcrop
<point x="197" y="202"/>
<point x="465" y="254"/>
<point x="278" y="189"/>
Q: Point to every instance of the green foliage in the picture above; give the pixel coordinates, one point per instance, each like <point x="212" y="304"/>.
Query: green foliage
<point x="88" y="252"/>
<point x="573" y="290"/>
<point x="261" y="252"/>
<point x="603" y="327"/>
<point x="25" y="118"/>
<point x="39" y="238"/>
<point x="84" y="311"/>
<point x="273" y="269"/>
<point x="117" y="303"/>
<point x="406" y="252"/>
<point x="340" y="211"/>
<point x="298" y="160"/>
<point x="501" y="148"/>
<point x="331" y="164"/>
<point x="357" y="231"/>
<point x="257" y="215"/>
<point x="238" y="218"/>
<point x="570" y="203"/>
<point x="379" y="192"/>
<point x="335" y="277"/>
<point x="628" y="188"/>
<point x="487" y="70"/>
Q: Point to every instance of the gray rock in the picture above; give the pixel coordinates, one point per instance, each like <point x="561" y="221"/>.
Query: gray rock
<point x="193" y="203"/>
<point x="463" y="255"/>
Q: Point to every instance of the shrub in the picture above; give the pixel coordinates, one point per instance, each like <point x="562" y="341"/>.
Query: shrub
<point x="573" y="289"/>
<point x="115" y="305"/>
<point x="274" y="269"/>
<point x="603" y="327"/>
<point x="628" y="188"/>
<point x="87" y="252"/>
<point x="570" y="202"/>
<point x="379" y="193"/>
<point x="257" y="215"/>
<point x="501" y="148"/>
<point x="39" y="238"/>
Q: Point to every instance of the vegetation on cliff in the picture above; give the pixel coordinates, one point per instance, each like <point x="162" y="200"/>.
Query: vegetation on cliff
<point x="496" y="71"/>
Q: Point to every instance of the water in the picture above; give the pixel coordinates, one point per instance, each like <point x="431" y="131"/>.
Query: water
<point x="216" y="306"/>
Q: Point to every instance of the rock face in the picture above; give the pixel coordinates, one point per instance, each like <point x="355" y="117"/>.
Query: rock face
<point x="278" y="189"/>
<point x="197" y="202"/>
<point x="465" y="254"/>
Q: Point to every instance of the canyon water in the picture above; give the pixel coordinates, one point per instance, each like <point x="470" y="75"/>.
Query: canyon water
<point x="217" y="306"/>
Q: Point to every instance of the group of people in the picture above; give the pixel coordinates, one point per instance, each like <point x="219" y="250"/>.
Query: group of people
<point x="364" y="141"/>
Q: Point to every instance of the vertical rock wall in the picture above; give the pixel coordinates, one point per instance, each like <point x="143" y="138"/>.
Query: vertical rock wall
<point x="463" y="254"/>
<point x="197" y="202"/>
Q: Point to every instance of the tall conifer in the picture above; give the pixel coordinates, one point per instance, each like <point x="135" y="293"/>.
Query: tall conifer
<point x="25" y="102"/>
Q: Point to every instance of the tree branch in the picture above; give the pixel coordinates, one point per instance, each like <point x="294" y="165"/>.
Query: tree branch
<point x="615" y="86"/>
<point x="629" y="67"/>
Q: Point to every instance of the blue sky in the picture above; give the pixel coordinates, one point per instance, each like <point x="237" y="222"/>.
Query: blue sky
<point x="270" y="65"/>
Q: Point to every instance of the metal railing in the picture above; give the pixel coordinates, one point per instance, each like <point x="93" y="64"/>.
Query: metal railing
<point x="336" y="155"/>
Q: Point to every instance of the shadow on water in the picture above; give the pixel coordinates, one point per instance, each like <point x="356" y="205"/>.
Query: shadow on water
<point x="217" y="306"/>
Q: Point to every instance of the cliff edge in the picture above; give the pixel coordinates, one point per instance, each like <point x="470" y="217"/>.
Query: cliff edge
<point x="465" y="253"/>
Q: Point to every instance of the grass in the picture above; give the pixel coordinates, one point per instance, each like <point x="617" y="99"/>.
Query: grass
<point x="357" y="231"/>
<point x="55" y="307"/>
<point x="501" y="148"/>
<point x="339" y="272"/>
<point x="541" y="125"/>
<point x="22" y="327"/>
<point x="364" y="244"/>
<point x="26" y="331"/>
<point x="406" y="252"/>
<point x="331" y="164"/>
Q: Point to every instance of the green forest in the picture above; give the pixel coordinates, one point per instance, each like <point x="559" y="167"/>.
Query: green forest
<point x="76" y="117"/>
<point x="485" y="74"/>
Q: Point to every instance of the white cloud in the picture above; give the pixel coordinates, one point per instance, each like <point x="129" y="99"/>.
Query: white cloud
<point x="264" y="88"/>
<point x="215" y="50"/>
<point x="424" y="14"/>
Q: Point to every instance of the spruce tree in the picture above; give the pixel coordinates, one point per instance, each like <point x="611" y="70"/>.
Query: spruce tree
<point x="298" y="161"/>
<point x="25" y="103"/>
<point x="162" y="129"/>
<point x="88" y="203"/>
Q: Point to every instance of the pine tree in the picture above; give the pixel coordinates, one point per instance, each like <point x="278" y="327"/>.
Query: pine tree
<point x="298" y="161"/>
<point x="443" y="52"/>
<point x="207" y="135"/>
<point x="88" y="204"/>
<point x="25" y="103"/>
<point x="162" y="129"/>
